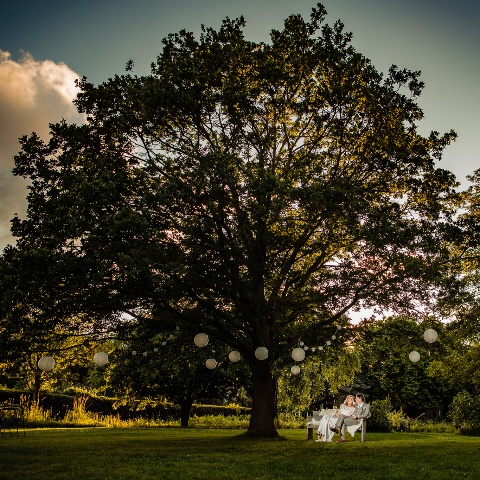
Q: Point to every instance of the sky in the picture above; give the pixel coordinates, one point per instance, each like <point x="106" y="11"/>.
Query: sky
<point x="45" y="46"/>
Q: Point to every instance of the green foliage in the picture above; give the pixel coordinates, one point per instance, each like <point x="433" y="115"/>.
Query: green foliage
<point x="380" y="411"/>
<point x="322" y="374"/>
<point x="86" y="409"/>
<point x="399" y="422"/>
<point x="220" y="421"/>
<point x="461" y="366"/>
<point x="384" y="346"/>
<point x="431" y="426"/>
<point x="465" y="412"/>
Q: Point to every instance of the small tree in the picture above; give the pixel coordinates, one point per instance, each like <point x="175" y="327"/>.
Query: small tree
<point x="176" y="371"/>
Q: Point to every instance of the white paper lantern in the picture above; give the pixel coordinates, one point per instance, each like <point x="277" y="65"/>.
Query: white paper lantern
<point x="334" y="337"/>
<point x="328" y="342"/>
<point x="295" y="369"/>
<point x="339" y="327"/>
<point x="145" y="354"/>
<point x="313" y="349"/>
<point x="414" y="356"/>
<point x="298" y="354"/>
<point x="234" y="356"/>
<point x="134" y="352"/>
<point x="201" y="340"/>
<point x="155" y="349"/>
<point x="46" y="364"/>
<point x="211" y="363"/>
<point x="430" y="335"/>
<point x="261" y="353"/>
<point x="100" y="359"/>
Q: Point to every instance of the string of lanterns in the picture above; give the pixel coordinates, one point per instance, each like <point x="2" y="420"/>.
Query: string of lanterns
<point x="261" y="353"/>
<point x="430" y="336"/>
<point x="47" y="363"/>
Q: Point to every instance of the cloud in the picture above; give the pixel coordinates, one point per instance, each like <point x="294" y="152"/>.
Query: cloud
<point x="32" y="95"/>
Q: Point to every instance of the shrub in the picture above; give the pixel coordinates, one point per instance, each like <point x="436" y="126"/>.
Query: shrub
<point x="465" y="412"/>
<point x="289" y="420"/>
<point x="380" y="420"/>
<point x="399" y="422"/>
<point x="431" y="426"/>
<point x="220" y="421"/>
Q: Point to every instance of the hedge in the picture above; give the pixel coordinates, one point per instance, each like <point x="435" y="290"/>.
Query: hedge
<point x="127" y="409"/>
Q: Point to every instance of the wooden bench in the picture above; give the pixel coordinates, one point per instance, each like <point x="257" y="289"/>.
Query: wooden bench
<point x="314" y="419"/>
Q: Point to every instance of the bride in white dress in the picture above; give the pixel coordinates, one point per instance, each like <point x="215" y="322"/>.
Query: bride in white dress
<point x="324" y="433"/>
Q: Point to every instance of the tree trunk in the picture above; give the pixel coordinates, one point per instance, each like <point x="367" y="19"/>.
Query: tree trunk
<point x="36" y="388"/>
<point x="262" y="419"/>
<point x="185" y="409"/>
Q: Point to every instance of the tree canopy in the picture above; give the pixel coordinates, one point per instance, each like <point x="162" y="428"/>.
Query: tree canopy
<point x="255" y="191"/>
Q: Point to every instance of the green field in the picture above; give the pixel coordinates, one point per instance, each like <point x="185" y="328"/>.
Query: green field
<point x="210" y="454"/>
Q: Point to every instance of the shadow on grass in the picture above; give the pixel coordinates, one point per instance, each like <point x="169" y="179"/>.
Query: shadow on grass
<point x="215" y="454"/>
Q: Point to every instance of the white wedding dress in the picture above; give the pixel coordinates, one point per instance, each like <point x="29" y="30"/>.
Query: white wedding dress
<point x="328" y="421"/>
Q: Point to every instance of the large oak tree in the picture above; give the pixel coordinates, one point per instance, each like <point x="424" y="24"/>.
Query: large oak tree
<point x="258" y="191"/>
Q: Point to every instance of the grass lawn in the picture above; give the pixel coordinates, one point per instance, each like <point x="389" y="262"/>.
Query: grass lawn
<point x="210" y="454"/>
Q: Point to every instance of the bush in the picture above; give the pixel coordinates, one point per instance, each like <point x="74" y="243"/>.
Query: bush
<point x="220" y="421"/>
<point x="399" y="422"/>
<point x="431" y="426"/>
<point x="465" y="412"/>
<point x="81" y="408"/>
<point x="380" y="420"/>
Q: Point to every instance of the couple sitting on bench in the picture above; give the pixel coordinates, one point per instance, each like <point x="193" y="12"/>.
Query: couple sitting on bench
<point x="350" y="416"/>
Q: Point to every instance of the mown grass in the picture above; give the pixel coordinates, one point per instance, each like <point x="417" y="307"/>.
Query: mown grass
<point x="212" y="454"/>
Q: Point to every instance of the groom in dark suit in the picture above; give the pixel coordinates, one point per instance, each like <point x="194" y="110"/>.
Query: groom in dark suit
<point x="362" y="410"/>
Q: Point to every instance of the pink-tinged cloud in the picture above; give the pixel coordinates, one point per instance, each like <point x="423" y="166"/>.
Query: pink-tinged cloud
<point x="32" y="95"/>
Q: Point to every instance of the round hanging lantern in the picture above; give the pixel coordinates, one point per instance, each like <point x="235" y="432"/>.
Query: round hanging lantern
<point x="328" y="342"/>
<point x="234" y="356"/>
<point x="313" y="349"/>
<point x="46" y="364"/>
<point x="414" y="356"/>
<point x="334" y="337"/>
<point x="261" y="353"/>
<point x="339" y="327"/>
<point x="295" y="369"/>
<point x="100" y="359"/>
<point x="201" y="340"/>
<point x="155" y="349"/>
<point x="145" y="354"/>
<point x="134" y="352"/>
<point x="430" y="335"/>
<point x="298" y="354"/>
<point x="211" y="363"/>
